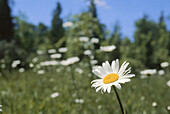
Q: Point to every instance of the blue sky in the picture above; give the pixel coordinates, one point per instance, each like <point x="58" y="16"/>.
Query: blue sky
<point x="126" y="12"/>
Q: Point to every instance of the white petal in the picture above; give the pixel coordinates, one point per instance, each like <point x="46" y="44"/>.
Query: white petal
<point x="127" y="76"/>
<point x="117" y="66"/>
<point x="97" y="73"/>
<point x="101" y="71"/>
<point x="118" y="85"/>
<point x="98" y="88"/>
<point x="97" y="80"/>
<point x="105" y="67"/>
<point x="109" y="67"/>
<point x="124" y="80"/>
<point x="123" y="68"/>
<point x="108" y="89"/>
<point x="113" y="66"/>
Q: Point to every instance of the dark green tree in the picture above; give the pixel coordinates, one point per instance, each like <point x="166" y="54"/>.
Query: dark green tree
<point x="6" y="25"/>
<point x="116" y="40"/>
<point x="57" y="30"/>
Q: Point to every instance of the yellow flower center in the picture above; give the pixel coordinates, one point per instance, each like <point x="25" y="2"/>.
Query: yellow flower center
<point x="110" y="78"/>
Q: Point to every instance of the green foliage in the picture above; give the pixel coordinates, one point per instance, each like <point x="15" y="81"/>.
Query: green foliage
<point x="29" y="92"/>
<point x="6" y="24"/>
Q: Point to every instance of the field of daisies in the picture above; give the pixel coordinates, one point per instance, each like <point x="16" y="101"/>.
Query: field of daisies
<point x="83" y="86"/>
<point x="76" y="65"/>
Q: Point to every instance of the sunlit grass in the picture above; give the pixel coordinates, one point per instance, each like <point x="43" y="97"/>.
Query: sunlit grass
<point x="29" y="92"/>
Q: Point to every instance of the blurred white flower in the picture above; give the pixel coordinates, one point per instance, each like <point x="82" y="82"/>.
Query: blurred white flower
<point x="93" y="62"/>
<point x="21" y="70"/>
<point x="142" y="98"/>
<point x="111" y="75"/>
<point x="154" y="104"/>
<point x="79" y="101"/>
<point x="168" y="83"/>
<point x="87" y="52"/>
<point x="91" y="57"/>
<point x="148" y="72"/>
<point x="80" y="71"/>
<point x="38" y="66"/>
<point x="2" y="60"/>
<point x="3" y="65"/>
<point x="69" y="61"/>
<point x="49" y="63"/>
<point x="40" y="72"/>
<point x="83" y="39"/>
<point x="15" y="63"/>
<point x="95" y="67"/>
<point x="168" y="107"/>
<point x="161" y="72"/>
<point x="54" y="95"/>
<point x="40" y="52"/>
<point x="0" y="107"/>
<point x="51" y="51"/>
<point x="107" y="48"/>
<point x="164" y="64"/>
<point x="99" y="107"/>
<point x="35" y="59"/>
<point x="94" y="40"/>
<point x="31" y="65"/>
<point x="67" y="24"/>
<point x="54" y="56"/>
<point x="62" y="49"/>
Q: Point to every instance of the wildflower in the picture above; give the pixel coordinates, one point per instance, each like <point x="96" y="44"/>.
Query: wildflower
<point x="154" y="104"/>
<point x="21" y="70"/>
<point x="148" y="72"/>
<point x="168" y="107"/>
<point x="53" y="56"/>
<point x="49" y="63"/>
<point x="80" y="71"/>
<point x="83" y="39"/>
<point x="87" y="52"/>
<point x="0" y="107"/>
<point x="161" y="72"/>
<point x="54" y="95"/>
<point x="51" y="51"/>
<point x="67" y="24"/>
<point x="15" y="63"/>
<point x="94" y="40"/>
<point x="79" y="101"/>
<point x="93" y="62"/>
<point x="111" y="75"/>
<point x="40" y="52"/>
<point x="35" y="59"/>
<point x="164" y="64"/>
<point x="69" y="61"/>
<point x="40" y="72"/>
<point x="168" y="83"/>
<point x="31" y="65"/>
<point x="107" y="48"/>
<point x="63" y="49"/>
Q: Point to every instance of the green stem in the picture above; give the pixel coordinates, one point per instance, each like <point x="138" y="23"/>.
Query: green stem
<point x="120" y="104"/>
<point x="73" y="82"/>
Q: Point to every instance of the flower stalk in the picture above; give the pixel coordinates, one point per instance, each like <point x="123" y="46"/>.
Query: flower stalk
<point x="118" y="98"/>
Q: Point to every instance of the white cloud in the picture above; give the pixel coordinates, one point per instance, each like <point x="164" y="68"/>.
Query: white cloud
<point x="102" y="3"/>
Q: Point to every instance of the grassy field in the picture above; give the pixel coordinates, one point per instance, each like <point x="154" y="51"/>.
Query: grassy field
<point x="29" y="93"/>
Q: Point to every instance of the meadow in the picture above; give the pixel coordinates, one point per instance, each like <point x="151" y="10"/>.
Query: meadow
<point x="30" y="93"/>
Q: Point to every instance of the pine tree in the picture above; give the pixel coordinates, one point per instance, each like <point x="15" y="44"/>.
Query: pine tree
<point x="6" y="25"/>
<point x="57" y="30"/>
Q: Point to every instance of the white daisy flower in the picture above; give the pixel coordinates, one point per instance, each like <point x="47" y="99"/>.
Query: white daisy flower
<point x="67" y="24"/>
<point x="164" y="64"/>
<point x="107" y="48"/>
<point x="111" y="75"/>
<point x="154" y="104"/>
<point x="54" y="95"/>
